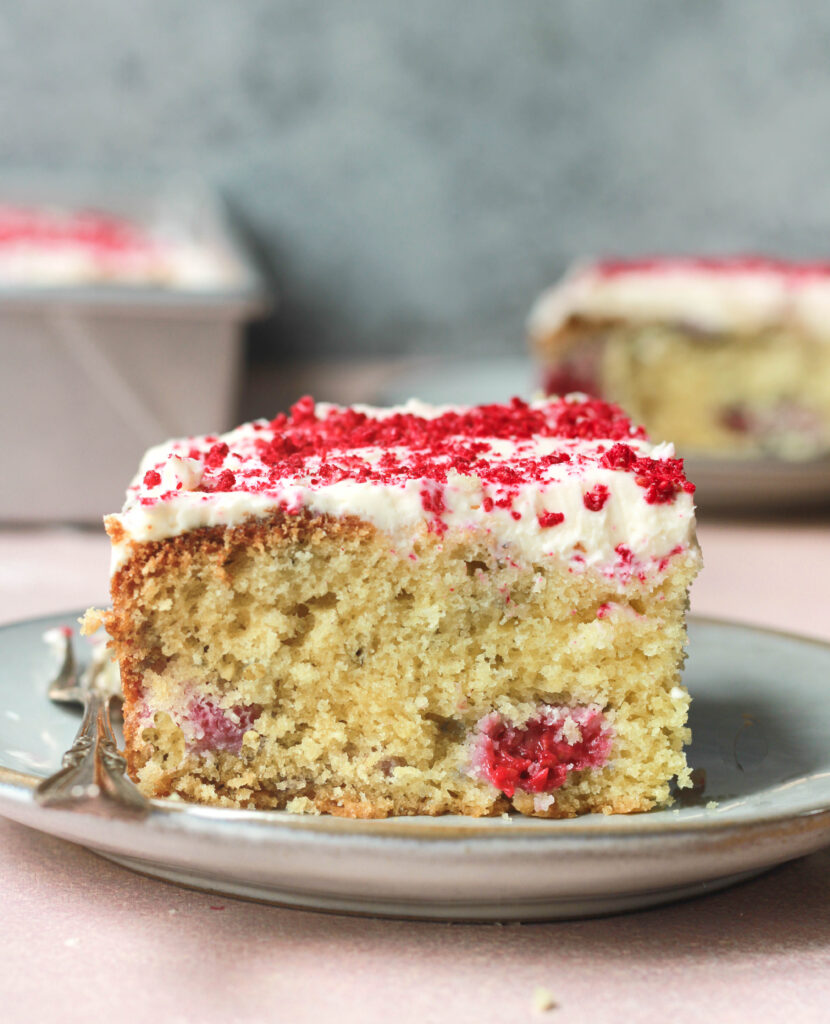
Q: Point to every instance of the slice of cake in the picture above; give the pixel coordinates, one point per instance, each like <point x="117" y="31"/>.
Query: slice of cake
<point x="411" y="610"/>
<point x="724" y="356"/>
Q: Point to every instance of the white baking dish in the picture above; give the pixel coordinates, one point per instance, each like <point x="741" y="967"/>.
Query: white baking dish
<point x="92" y="375"/>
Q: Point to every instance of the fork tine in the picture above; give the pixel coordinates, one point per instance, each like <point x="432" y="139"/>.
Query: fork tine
<point x="67" y="678"/>
<point x="93" y="777"/>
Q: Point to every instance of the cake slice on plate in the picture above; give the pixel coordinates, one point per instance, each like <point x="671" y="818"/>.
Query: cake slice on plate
<point x="724" y="356"/>
<point x="413" y="610"/>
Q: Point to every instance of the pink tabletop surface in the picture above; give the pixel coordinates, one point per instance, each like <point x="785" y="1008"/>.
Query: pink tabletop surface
<point x="81" y="938"/>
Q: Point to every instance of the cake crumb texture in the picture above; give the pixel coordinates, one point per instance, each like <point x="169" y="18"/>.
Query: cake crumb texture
<point x="543" y="1000"/>
<point x="300" y="662"/>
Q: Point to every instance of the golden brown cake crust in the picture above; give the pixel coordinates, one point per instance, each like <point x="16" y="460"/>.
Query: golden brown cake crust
<point x="171" y="556"/>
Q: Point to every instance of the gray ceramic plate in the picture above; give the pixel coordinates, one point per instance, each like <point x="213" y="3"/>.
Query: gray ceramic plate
<point x="761" y="721"/>
<point x="723" y="485"/>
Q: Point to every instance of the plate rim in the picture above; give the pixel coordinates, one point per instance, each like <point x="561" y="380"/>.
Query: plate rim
<point x="448" y="828"/>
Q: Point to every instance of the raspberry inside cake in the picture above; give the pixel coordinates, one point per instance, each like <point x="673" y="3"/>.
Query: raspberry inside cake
<point x="426" y="610"/>
<point x="721" y="355"/>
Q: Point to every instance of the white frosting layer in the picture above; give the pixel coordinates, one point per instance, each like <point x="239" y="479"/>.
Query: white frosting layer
<point x="175" y="266"/>
<point x="43" y="246"/>
<point x="707" y="295"/>
<point x="396" y="505"/>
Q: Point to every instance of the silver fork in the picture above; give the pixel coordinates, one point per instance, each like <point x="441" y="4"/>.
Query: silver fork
<point x="93" y="777"/>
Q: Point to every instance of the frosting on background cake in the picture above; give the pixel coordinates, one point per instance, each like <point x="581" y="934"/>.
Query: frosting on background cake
<point x="728" y="294"/>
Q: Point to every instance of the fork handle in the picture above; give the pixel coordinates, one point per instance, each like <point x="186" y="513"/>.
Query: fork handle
<point x="93" y="777"/>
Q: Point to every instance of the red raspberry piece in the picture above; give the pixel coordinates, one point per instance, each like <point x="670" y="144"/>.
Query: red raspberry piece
<point x="216" y="729"/>
<point x="537" y="757"/>
<point x="225" y="481"/>
<point x="216" y="456"/>
<point x="594" y="500"/>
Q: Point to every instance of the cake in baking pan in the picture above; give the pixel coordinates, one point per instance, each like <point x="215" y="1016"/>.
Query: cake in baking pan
<point x="724" y="356"/>
<point x="412" y="610"/>
<point x="46" y="245"/>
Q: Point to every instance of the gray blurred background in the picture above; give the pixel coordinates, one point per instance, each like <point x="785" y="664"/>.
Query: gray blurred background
<point x="413" y="174"/>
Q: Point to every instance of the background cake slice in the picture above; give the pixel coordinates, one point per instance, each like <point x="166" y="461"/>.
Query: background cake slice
<point x="413" y="610"/>
<point x="720" y="355"/>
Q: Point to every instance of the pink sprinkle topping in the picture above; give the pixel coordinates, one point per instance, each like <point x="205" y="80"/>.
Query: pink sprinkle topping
<point x="319" y="446"/>
<point x="303" y="411"/>
<point x="619" y="456"/>
<point x="216" y="456"/>
<point x="225" y="481"/>
<point x="86" y="229"/>
<point x="660" y="478"/>
<point x="595" y="500"/>
<point x="715" y="265"/>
